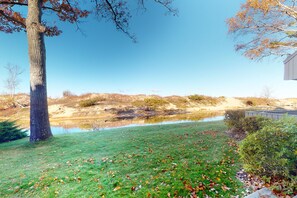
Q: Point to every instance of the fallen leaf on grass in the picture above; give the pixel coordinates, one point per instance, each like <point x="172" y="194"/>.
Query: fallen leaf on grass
<point x="193" y="195"/>
<point x="200" y="187"/>
<point x="150" y="150"/>
<point x="17" y="189"/>
<point x="189" y="187"/>
<point x="117" y="188"/>
<point x="68" y="163"/>
<point x="22" y="175"/>
<point x="133" y="188"/>
<point x="225" y="188"/>
<point x="211" y="184"/>
<point x="91" y="160"/>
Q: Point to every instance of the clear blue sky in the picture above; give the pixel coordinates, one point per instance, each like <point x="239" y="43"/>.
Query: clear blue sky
<point x="188" y="54"/>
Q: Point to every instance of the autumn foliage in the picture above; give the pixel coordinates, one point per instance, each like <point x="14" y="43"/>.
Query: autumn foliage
<point x="265" y="27"/>
<point x="117" y="11"/>
<point x="15" y="21"/>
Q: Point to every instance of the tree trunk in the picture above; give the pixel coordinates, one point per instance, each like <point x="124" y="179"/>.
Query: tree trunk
<point x="39" y="120"/>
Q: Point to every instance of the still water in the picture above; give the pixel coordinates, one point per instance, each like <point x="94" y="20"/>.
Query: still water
<point x="66" y="129"/>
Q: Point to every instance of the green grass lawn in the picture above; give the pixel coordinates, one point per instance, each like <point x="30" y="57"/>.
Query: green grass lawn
<point x="153" y="161"/>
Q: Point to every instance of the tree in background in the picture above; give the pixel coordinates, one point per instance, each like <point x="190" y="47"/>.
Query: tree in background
<point x="267" y="27"/>
<point x="36" y="26"/>
<point x="13" y="79"/>
<point x="267" y="92"/>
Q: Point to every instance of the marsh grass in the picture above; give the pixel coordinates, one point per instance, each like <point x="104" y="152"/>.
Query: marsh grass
<point x="154" y="161"/>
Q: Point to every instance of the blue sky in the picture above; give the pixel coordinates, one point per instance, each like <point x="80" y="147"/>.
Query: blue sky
<point x="188" y="54"/>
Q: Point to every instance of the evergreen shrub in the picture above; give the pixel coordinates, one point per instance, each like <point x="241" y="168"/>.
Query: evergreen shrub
<point x="10" y="131"/>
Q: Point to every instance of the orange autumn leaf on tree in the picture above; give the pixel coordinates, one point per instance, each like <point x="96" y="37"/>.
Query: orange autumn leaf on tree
<point x="265" y="27"/>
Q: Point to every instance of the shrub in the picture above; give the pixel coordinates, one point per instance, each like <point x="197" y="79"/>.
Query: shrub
<point x="89" y="102"/>
<point x="233" y="119"/>
<point x="10" y="131"/>
<point x="254" y="123"/>
<point x="236" y="120"/>
<point x="150" y="103"/>
<point x="205" y="99"/>
<point x="178" y="101"/>
<point x="249" y="103"/>
<point x="271" y="151"/>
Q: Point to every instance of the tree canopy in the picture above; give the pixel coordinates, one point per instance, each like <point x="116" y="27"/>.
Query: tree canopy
<point x="265" y="27"/>
<point x="72" y="11"/>
<point x="13" y="19"/>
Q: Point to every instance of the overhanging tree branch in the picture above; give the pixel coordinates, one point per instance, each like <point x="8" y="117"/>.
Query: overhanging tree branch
<point x="120" y="19"/>
<point x="270" y="27"/>
<point x="12" y="3"/>
<point x="13" y="20"/>
<point x="166" y="4"/>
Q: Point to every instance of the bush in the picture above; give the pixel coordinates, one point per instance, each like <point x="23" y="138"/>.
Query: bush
<point x="89" y="102"/>
<point x="10" y="131"/>
<point x="249" y="103"/>
<point x="205" y="99"/>
<point x="150" y="103"/>
<point x="234" y="119"/>
<point x="178" y="101"/>
<point x="254" y="123"/>
<point x="239" y="125"/>
<point x="271" y="151"/>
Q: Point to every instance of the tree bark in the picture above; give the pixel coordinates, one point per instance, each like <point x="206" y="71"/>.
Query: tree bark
<point x="39" y="119"/>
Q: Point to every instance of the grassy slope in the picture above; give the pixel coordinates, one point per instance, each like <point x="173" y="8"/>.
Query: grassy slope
<point x="153" y="161"/>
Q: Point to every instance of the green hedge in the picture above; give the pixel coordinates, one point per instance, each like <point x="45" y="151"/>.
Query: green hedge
<point x="271" y="151"/>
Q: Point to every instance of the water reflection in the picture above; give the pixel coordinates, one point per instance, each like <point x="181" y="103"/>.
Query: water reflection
<point x="73" y="126"/>
<point x="77" y="125"/>
<point x="62" y="130"/>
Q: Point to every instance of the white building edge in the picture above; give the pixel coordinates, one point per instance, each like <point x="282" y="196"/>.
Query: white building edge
<point x="291" y="67"/>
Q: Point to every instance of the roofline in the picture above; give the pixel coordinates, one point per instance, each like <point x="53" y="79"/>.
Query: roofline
<point x="290" y="57"/>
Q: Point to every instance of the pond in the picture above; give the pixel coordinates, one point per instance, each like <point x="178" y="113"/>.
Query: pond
<point x="77" y="126"/>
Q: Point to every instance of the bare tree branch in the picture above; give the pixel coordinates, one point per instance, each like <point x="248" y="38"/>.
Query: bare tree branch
<point x="12" y="82"/>
<point x="119" y="22"/>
